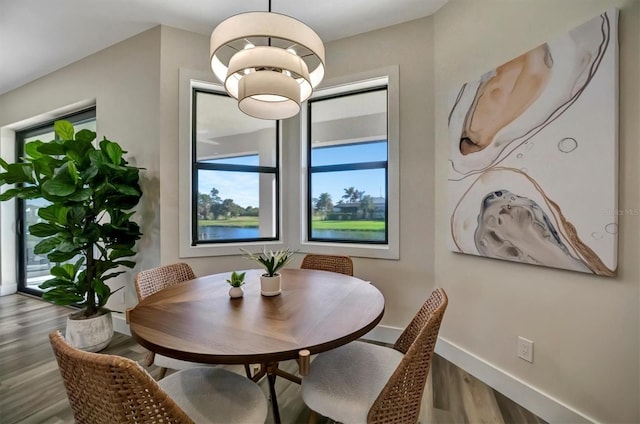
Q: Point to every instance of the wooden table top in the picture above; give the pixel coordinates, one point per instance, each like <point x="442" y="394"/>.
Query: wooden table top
<point x="197" y="320"/>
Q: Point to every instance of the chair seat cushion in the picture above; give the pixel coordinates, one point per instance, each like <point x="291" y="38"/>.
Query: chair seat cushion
<point x="343" y="383"/>
<point x="214" y="395"/>
<point x="174" y="364"/>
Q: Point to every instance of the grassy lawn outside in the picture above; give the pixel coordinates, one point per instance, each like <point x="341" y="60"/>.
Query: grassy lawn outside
<point x="240" y="221"/>
<point x="252" y="222"/>
<point x="349" y="225"/>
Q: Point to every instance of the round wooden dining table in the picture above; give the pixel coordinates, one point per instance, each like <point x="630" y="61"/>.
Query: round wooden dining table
<point x="197" y="321"/>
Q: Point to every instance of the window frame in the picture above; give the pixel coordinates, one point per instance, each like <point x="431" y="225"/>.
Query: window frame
<point x="298" y="228"/>
<point x="354" y="166"/>
<point x="197" y="165"/>
<point x="189" y="79"/>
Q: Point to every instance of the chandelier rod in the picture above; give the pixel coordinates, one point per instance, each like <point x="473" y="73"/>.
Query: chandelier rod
<point x="269" y="38"/>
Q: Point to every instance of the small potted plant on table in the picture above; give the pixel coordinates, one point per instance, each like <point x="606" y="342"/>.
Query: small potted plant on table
<point x="236" y="281"/>
<point x="270" y="284"/>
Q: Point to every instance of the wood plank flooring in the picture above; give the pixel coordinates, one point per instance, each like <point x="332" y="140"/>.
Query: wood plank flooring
<point x="31" y="390"/>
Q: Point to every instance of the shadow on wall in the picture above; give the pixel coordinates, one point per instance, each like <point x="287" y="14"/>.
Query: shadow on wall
<point x="148" y="247"/>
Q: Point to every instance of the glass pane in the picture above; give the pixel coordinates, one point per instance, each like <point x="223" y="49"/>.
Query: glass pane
<point x="349" y="129"/>
<point x="226" y="135"/>
<point x="349" y="153"/>
<point x="236" y="205"/>
<point x="349" y="205"/>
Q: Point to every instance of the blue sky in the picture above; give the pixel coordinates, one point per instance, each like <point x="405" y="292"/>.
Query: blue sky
<point x="242" y="187"/>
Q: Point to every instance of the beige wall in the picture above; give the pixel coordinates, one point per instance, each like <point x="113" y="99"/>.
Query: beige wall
<point x="585" y="328"/>
<point x="123" y="80"/>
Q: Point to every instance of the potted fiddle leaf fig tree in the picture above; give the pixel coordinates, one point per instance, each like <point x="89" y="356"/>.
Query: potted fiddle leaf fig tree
<point x="86" y="229"/>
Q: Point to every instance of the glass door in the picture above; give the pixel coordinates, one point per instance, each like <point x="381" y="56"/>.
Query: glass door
<point x="33" y="269"/>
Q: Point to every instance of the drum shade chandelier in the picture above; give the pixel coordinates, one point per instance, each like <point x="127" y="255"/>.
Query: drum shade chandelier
<point x="269" y="62"/>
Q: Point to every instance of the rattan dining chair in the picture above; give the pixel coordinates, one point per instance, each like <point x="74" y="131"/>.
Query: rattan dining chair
<point x="366" y="383"/>
<point x="333" y="263"/>
<point x="108" y="389"/>
<point x="150" y="281"/>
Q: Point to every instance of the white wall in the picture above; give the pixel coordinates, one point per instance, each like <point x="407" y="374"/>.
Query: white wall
<point x="585" y="328"/>
<point x="123" y="81"/>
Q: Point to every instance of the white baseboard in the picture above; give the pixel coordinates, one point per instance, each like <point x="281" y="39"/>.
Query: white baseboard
<point x="541" y="404"/>
<point x="384" y="334"/>
<point x="120" y="323"/>
<point x="6" y="289"/>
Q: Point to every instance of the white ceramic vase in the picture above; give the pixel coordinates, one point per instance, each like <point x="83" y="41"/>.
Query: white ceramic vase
<point x="270" y="286"/>
<point x="236" y="292"/>
<point x="90" y="334"/>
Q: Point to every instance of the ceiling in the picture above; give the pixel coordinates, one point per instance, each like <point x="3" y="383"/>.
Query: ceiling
<point x="39" y="36"/>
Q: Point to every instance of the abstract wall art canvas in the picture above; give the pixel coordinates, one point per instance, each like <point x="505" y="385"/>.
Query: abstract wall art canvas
<point x="533" y="158"/>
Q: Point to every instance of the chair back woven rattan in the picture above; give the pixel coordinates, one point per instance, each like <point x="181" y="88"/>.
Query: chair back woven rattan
<point x="400" y="399"/>
<point x="333" y="263"/>
<point x="153" y="280"/>
<point x="108" y="389"/>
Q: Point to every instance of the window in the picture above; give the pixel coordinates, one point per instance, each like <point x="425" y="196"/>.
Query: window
<point x="235" y="177"/>
<point x="33" y="269"/>
<point x="232" y="168"/>
<point x="348" y="163"/>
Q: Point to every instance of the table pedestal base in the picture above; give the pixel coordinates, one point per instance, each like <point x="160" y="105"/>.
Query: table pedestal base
<point x="272" y="371"/>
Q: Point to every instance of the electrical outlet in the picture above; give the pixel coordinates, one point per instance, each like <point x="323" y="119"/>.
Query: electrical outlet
<point x="525" y="349"/>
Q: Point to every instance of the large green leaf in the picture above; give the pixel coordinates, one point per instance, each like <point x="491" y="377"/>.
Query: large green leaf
<point x="62" y="296"/>
<point x="128" y="190"/>
<point x="44" y="166"/>
<point x="43" y="229"/>
<point x="121" y="253"/>
<point x="31" y="149"/>
<point x="3" y="163"/>
<point x="64" y="272"/>
<point x="89" y="172"/>
<point x="112" y="150"/>
<point x="68" y="246"/>
<point x="9" y="194"/>
<point x="59" y="186"/>
<point x="102" y="291"/>
<point x="81" y="195"/>
<point x="54" y="213"/>
<point x="77" y="214"/>
<point x="18" y="173"/>
<point x="64" y="129"/>
<point x="57" y="282"/>
<point x="52" y="148"/>
<point x="57" y="256"/>
<point x="45" y="246"/>
<point x="73" y="171"/>
<point x="86" y="135"/>
<point x="29" y="192"/>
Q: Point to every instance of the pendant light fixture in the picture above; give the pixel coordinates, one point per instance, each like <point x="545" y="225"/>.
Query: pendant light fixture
<point x="269" y="62"/>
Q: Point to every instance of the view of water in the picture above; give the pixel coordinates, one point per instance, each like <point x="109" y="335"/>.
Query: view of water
<point x="349" y="235"/>
<point x="230" y="233"/>
<point x="211" y="232"/>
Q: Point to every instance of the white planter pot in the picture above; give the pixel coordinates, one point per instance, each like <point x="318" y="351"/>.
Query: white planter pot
<point x="236" y="292"/>
<point x="270" y="286"/>
<point x="90" y="334"/>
